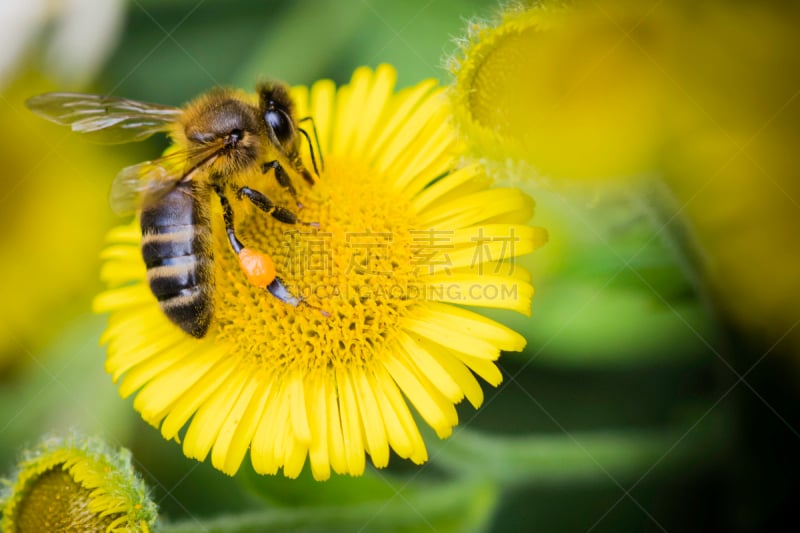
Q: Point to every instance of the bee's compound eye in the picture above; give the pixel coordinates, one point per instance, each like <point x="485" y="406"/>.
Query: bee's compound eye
<point x="278" y="122"/>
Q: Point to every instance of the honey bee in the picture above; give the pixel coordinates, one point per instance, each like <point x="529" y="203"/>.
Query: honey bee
<point x="218" y="137"/>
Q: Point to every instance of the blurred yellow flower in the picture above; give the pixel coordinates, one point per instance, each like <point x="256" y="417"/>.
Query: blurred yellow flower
<point x="76" y="484"/>
<point x="701" y="95"/>
<point x="48" y="175"/>
<point x="733" y="164"/>
<point x="559" y="90"/>
<point x="402" y="236"/>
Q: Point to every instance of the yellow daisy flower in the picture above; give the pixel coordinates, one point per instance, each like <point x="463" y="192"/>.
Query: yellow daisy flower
<point x="76" y="484"/>
<point x="403" y="235"/>
<point x="563" y="90"/>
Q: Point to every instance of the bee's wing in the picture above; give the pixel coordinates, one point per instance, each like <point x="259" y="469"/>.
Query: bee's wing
<point x="106" y="119"/>
<point x="137" y="181"/>
<point x="154" y="179"/>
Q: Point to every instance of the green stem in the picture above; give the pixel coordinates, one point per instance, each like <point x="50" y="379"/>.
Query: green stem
<point x="580" y="457"/>
<point x="464" y="505"/>
<point x="676" y="233"/>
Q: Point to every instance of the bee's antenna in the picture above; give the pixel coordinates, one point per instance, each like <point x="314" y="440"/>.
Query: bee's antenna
<point x="310" y="147"/>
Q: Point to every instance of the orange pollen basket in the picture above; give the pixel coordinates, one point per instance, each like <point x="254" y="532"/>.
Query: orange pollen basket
<point x="259" y="268"/>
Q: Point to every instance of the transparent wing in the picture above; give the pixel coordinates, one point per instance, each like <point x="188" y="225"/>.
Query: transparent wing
<point x="154" y="179"/>
<point x="105" y="119"/>
<point x="135" y="182"/>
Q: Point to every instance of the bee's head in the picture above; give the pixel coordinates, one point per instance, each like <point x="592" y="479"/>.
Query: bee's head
<point x="276" y="109"/>
<point x="222" y="119"/>
<point x="226" y="119"/>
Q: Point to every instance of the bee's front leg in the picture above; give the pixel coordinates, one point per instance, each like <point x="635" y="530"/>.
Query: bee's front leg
<point x="227" y="216"/>
<point x="282" y="178"/>
<point x="266" y="205"/>
<point x="258" y="267"/>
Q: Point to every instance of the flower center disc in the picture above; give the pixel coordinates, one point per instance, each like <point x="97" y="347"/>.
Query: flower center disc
<point x="56" y="502"/>
<point x="356" y="268"/>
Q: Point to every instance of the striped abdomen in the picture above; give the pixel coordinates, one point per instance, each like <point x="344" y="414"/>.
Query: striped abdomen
<point x="176" y="247"/>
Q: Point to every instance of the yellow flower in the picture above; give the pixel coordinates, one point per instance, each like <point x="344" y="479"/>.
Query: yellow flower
<point x="403" y="235"/>
<point x="46" y="176"/>
<point x="563" y="90"/>
<point x="702" y="95"/>
<point x="76" y="484"/>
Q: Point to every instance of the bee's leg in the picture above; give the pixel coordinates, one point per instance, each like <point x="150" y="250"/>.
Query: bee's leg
<point x="266" y="205"/>
<point x="297" y="163"/>
<point x="227" y="216"/>
<point x="282" y="178"/>
<point x="258" y="268"/>
<point x="279" y="291"/>
<point x="304" y="172"/>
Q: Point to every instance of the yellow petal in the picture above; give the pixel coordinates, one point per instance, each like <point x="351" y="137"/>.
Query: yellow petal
<point x="156" y="399"/>
<point x="460" y="373"/>
<point x="125" y="234"/>
<point x="295" y="458"/>
<point x="392" y="400"/>
<point x="317" y="405"/>
<point x="351" y="423"/>
<point x="473" y="324"/>
<point x="297" y="410"/>
<point x="156" y="365"/>
<point x="422" y="359"/>
<point x="434" y="140"/>
<point x="212" y="415"/>
<point x="482" y="291"/>
<point x="195" y="397"/>
<point x="395" y="116"/>
<point x="453" y="185"/>
<point x="336" y="444"/>
<point x="396" y="432"/>
<point x="412" y="124"/>
<point x="373" y="426"/>
<point x="477" y="208"/>
<point x="261" y="453"/>
<point x="431" y="405"/>
<point x="483" y="367"/>
<point x="373" y="106"/>
<point x="322" y="109"/>
<point x="227" y="454"/>
<point x="455" y="339"/>
<point x="350" y="106"/>
<point x="122" y="298"/>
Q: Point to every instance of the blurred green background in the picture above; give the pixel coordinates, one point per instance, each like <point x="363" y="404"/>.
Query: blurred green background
<point x="625" y="413"/>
